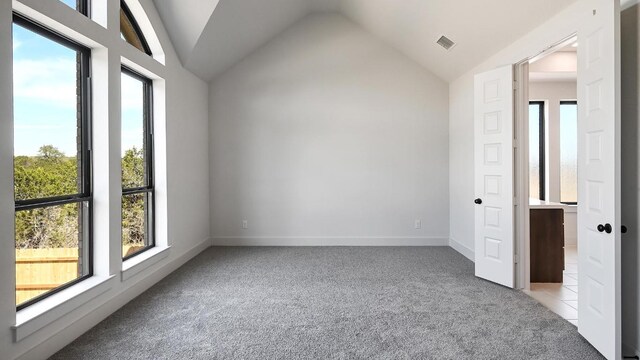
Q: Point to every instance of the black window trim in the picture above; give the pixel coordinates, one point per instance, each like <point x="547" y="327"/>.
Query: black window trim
<point x="136" y="27"/>
<point x="148" y="157"/>
<point x="84" y="7"/>
<point x="567" y="102"/>
<point x="542" y="145"/>
<point x="86" y="194"/>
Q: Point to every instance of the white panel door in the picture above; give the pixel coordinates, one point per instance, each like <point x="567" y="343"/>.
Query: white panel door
<point x="599" y="177"/>
<point x="494" y="240"/>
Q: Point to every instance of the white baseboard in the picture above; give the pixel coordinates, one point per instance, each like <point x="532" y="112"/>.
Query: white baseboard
<point x="462" y="249"/>
<point x="65" y="334"/>
<point x="328" y="241"/>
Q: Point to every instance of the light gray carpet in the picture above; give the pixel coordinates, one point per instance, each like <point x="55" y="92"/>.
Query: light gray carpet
<point x="330" y="303"/>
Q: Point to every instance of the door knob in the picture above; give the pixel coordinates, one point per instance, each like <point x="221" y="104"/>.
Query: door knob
<point x="624" y="229"/>
<point x="478" y="201"/>
<point x="605" y="228"/>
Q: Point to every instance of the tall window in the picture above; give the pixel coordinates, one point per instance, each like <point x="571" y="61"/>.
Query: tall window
<point x="536" y="150"/>
<point x="137" y="164"/>
<point x="52" y="162"/>
<point x="569" y="152"/>
<point x="130" y="31"/>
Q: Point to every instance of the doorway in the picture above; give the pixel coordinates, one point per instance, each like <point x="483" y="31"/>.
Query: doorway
<point x="552" y="254"/>
<point x="501" y="175"/>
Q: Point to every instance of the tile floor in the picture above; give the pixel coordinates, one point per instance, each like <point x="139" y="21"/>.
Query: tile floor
<point x="561" y="298"/>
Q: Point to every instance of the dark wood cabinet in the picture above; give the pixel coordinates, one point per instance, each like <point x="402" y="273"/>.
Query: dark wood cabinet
<point x="547" y="245"/>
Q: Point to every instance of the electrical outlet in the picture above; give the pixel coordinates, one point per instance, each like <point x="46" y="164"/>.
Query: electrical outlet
<point x="418" y="224"/>
<point x="245" y="224"/>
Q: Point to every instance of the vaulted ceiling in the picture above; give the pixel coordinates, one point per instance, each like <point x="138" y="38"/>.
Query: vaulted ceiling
<point x="210" y="36"/>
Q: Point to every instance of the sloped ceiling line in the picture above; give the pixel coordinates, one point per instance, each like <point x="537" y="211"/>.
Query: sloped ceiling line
<point x="185" y="21"/>
<point x="210" y="36"/>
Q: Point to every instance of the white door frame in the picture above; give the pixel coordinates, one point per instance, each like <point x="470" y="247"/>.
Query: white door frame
<point x="521" y="156"/>
<point x="521" y="173"/>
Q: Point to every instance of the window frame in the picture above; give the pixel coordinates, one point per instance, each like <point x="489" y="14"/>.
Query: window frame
<point x="565" y="102"/>
<point x="136" y="29"/>
<point x="84" y="7"/>
<point x="85" y="196"/>
<point x="542" y="146"/>
<point x="149" y="188"/>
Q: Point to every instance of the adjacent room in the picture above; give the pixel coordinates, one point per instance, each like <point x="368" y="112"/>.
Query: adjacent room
<point x="553" y="180"/>
<point x="314" y="179"/>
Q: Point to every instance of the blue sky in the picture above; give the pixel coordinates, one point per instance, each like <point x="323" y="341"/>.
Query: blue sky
<point x="45" y="96"/>
<point x="71" y="3"/>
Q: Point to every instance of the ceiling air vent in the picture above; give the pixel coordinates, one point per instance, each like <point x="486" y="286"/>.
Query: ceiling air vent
<point x="446" y="43"/>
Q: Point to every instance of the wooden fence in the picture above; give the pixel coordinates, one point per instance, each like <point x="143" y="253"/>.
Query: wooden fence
<point x="41" y="270"/>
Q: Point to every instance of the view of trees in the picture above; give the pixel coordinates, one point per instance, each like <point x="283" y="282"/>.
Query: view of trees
<point x="133" y="206"/>
<point x="51" y="173"/>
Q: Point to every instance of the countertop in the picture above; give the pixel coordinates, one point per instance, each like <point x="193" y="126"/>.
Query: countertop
<point x="541" y="204"/>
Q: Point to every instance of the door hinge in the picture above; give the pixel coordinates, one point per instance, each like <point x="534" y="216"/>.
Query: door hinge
<point x="515" y="144"/>
<point x="515" y="84"/>
<point x="515" y="259"/>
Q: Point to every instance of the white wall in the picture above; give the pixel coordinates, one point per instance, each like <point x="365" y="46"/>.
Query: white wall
<point x="7" y="245"/>
<point x="556" y="63"/>
<point x="461" y="163"/>
<point x="328" y="136"/>
<point x="630" y="21"/>
<point x="185" y="188"/>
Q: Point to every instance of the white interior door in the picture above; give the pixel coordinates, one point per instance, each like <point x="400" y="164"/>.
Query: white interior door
<point x="599" y="177"/>
<point x="494" y="240"/>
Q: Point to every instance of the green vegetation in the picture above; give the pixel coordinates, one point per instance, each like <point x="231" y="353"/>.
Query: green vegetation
<point x="133" y="206"/>
<point x="49" y="174"/>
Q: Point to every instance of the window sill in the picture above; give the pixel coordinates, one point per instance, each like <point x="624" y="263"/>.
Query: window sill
<point x="135" y="265"/>
<point x="43" y="313"/>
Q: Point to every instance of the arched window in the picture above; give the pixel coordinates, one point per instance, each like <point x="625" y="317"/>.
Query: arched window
<point x="130" y="31"/>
